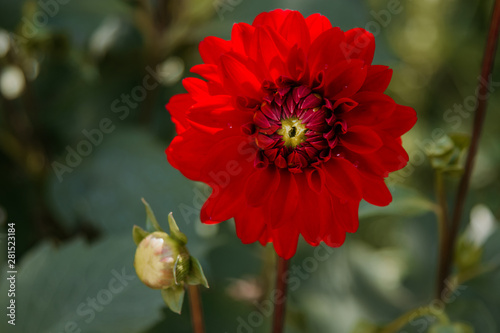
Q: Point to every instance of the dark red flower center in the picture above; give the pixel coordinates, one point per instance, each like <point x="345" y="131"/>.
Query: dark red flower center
<point x="297" y="128"/>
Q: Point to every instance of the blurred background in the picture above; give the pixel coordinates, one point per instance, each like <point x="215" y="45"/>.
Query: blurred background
<point x="83" y="128"/>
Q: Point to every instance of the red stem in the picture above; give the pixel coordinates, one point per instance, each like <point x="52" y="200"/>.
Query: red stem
<point x="280" y="295"/>
<point x="196" y="309"/>
<point x="480" y="113"/>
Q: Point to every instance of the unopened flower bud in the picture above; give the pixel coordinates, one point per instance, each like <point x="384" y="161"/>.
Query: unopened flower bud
<point x="161" y="261"/>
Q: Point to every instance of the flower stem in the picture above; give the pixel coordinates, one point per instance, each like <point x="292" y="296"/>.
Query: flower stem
<point x="280" y="295"/>
<point x="443" y="220"/>
<point x="480" y="113"/>
<point x="196" y="309"/>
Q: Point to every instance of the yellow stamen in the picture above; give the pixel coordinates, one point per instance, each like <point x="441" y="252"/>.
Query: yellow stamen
<point x="293" y="132"/>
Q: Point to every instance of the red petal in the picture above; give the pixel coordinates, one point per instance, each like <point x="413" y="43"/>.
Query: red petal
<point x="317" y="24"/>
<point x="400" y="122"/>
<point x="313" y="212"/>
<point x="178" y="106"/>
<point x="185" y="152"/>
<point x="273" y="19"/>
<point x="208" y="72"/>
<point x="282" y="205"/>
<point x="342" y="179"/>
<point x="392" y="155"/>
<point x="285" y="240"/>
<point x="213" y="102"/>
<point x="222" y="206"/>
<point x="361" y="45"/>
<point x="250" y="225"/>
<point x="260" y="185"/>
<point x="197" y="88"/>
<point x="375" y="190"/>
<point x="361" y="139"/>
<point x="221" y="118"/>
<point x="315" y="179"/>
<point x="373" y="108"/>
<point x="295" y="31"/>
<point x="297" y="64"/>
<point x="346" y="214"/>
<point x="241" y="37"/>
<point x="344" y="79"/>
<point x="276" y="49"/>
<point x="217" y="112"/>
<point x="377" y="78"/>
<point x="334" y="234"/>
<point x="238" y="79"/>
<point x="212" y="48"/>
<point x="226" y="173"/>
<point x="265" y="237"/>
<point x="325" y="51"/>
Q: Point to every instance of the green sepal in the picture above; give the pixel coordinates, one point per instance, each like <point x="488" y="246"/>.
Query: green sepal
<point x="182" y="267"/>
<point x="196" y="275"/>
<point x="448" y="153"/>
<point x="174" y="297"/>
<point x="151" y="222"/>
<point x="451" y="328"/>
<point x="175" y="233"/>
<point x="138" y="234"/>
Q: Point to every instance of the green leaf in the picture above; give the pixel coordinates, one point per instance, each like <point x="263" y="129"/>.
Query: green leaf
<point x="104" y="189"/>
<point x="139" y="234"/>
<point x="174" y="298"/>
<point x="152" y="224"/>
<point x="174" y="230"/>
<point x="93" y="288"/>
<point x="196" y="275"/>
<point x="405" y="202"/>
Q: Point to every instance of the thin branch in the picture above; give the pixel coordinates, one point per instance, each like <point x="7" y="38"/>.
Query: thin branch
<point x="280" y="295"/>
<point x="196" y="309"/>
<point x="480" y="113"/>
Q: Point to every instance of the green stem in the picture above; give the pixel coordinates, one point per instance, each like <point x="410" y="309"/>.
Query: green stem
<point x="443" y="222"/>
<point x="280" y="295"/>
<point x="480" y="114"/>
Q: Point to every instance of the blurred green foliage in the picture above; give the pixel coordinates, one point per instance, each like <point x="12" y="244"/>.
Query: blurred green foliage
<point x="67" y="66"/>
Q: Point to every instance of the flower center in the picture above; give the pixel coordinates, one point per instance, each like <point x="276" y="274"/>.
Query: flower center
<point x="293" y="132"/>
<point x="296" y="128"/>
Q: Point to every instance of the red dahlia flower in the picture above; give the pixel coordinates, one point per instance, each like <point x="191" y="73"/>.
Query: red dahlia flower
<point x="291" y="128"/>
